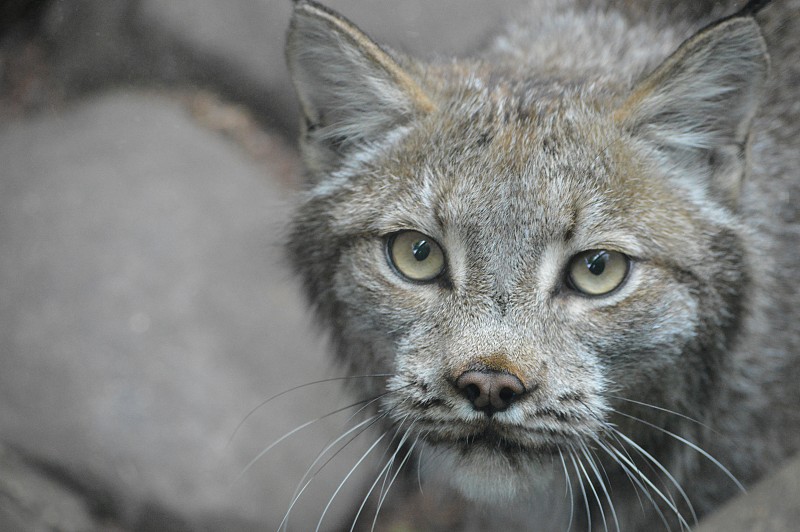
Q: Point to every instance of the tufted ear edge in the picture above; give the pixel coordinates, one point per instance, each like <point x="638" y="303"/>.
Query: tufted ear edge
<point x="351" y="91"/>
<point x="696" y="109"/>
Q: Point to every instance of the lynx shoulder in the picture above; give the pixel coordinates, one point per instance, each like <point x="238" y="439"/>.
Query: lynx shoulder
<point x="573" y="254"/>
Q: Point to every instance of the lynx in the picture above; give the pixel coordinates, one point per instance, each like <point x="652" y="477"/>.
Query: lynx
<point x="568" y="263"/>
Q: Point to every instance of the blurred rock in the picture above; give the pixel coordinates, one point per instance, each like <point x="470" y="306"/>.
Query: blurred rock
<point x="773" y="505"/>
<point x="236" y="46"/>
<point x="30" y="501"/>
<point x="144" y="311"/>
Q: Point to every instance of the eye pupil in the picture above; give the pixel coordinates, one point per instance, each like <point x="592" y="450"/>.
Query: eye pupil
<point x="597" y="263"/>
<point x="421" y="249"/>
<point x="415" y="256"/>
<point x="598" y="271"/>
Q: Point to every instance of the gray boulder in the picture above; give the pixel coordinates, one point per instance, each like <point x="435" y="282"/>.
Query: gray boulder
<point x="144" y="311"/>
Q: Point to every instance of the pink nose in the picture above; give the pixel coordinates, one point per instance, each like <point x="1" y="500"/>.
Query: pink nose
<point x="490" y="391"/>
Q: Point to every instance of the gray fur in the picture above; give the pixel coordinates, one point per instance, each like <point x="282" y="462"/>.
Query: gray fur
<point x="577" y="130"/>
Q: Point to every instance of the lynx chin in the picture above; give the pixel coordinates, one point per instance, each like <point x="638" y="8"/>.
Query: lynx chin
<point x="564" y="271"/>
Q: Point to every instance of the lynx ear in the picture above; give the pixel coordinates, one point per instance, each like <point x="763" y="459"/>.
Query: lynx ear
<point x="697" y="107"/>
<point x="351" y="91"/>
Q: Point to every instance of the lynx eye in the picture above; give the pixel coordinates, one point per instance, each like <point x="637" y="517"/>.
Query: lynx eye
<point x="598" y="271"/>
<point x="415" y="256"/>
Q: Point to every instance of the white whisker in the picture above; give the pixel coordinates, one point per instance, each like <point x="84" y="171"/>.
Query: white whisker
<point x="397" y="447"/>
<point x="305" y="481"/>
<point x="593" y="489"/>
<point x="381" y="474"/>
<point x="295" y="430"/>
<point x="419" y="466"/>
<point x="693" y="446"/>
<point x="662" y="409"/>
<point x="349" y="474"/>
<point x="568" y="489"/>
<point x="650" y="461"/>
<point x="295" y="388"/>
<point x="583" y="489"/>
<point x="603" y="486"/>
<point x="670" y="504"/>
<point x="616" y="455"/>
<point x="664" y="470"/>
<point x="334" y="442"/>
<point x="394" y="477"/>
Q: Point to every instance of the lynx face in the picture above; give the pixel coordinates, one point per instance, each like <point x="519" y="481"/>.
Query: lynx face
<point x="534" y="261"/>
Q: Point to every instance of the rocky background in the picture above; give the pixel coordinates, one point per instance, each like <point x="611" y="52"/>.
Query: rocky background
<point x="147" y="165"/>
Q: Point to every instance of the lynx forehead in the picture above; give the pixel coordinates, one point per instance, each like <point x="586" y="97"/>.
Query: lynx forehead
<point x="553" y="252"/>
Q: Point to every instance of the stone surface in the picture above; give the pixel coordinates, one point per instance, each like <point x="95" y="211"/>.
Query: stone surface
<point x="773" y="505"/>
<point x="144" y="311"/>
<point x="246" y="37"/>
<point x="30" y="501"/>
<point x="236" y="46"/>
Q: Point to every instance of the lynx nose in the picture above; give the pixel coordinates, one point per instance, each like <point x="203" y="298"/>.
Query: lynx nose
<point x="490" y="391"/>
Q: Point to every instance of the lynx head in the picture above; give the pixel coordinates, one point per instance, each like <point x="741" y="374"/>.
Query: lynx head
<point x="526" y="253"/>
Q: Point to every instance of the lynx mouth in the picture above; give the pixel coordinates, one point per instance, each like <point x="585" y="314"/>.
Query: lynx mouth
<point x="490" y="440"/>
<point x="492" y="467"/>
